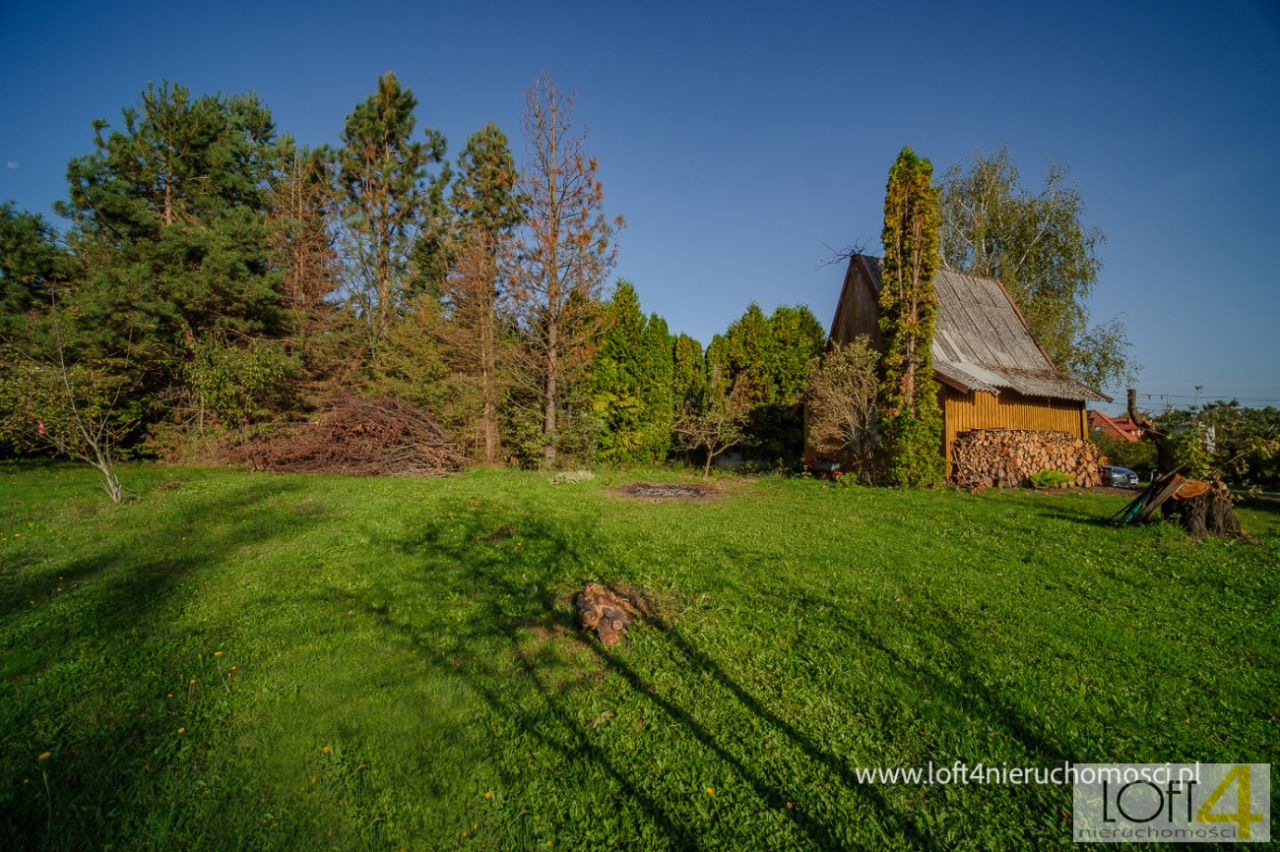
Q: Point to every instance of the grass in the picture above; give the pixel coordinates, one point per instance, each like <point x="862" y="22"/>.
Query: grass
<point x="234" y="661"/>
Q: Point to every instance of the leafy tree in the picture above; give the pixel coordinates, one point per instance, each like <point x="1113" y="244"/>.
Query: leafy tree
<point x="1225" y="440"/>
<point x="303" y="218"/>
<point x="76" y="404"/>
<point x="911" y="420"/>
<point x="386" y="195"/>
<point x="715" y="422"/>
<point x="1037" y="244"/>
<point x="479" y="342"/>
<point x="558" y="261"/>
<point x="413" y="364"/>
<point x="841" y="404"/>
<point x="321" y="334"/>
<point x="239" y="384"/>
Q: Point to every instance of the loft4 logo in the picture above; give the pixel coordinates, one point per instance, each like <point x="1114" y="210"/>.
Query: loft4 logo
<point x="1242" y="815"/>
<point x="1178" y="803"/>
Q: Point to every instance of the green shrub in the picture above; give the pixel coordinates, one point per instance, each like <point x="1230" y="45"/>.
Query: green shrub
<point x="1051" y="478"/>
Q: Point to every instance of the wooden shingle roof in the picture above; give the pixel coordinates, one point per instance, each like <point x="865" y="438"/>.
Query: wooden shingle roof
<point x="981" y="340"/>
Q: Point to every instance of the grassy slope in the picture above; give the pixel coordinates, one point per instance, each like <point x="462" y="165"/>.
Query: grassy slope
<point x="406" y="672"/>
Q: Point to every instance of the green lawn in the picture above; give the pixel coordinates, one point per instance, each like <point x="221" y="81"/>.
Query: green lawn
<point x="235" y="661"/>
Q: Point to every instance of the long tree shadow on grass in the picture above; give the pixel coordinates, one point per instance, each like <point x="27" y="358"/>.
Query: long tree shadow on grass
<point x="107" y="616"/>
<point x="509" y="573"/>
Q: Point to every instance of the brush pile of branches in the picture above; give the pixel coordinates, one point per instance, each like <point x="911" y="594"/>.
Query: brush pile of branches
<point x="359" y="437"/>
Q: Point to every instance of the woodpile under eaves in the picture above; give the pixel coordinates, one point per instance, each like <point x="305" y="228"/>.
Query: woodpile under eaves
<point x="999" y="458"/>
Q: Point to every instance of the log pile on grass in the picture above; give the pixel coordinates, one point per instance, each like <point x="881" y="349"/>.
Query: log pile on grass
<point x="359" y="437"/>
<point x="996" y="458"/>
<point x="605" y="611"/>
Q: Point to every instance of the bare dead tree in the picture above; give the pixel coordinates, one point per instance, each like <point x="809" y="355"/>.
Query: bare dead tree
<point x="557" y="263"/>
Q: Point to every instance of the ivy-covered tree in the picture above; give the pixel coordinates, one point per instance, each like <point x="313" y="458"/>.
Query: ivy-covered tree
<point x="911" y="420"/>
<point x="387" y="195"/>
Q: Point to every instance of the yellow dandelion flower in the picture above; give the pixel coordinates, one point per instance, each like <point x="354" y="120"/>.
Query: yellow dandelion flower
<point x="217" y="653"/>
<point x="789" y="806"/>
<point x="182" y="730"/>
<point x="45" y="755"/>
<point x="193" y="680"/>
<point x="474" y="826"/>
<point x="325" y="749"/>
<point x="170" y="695"/>
<point x="488" y="794"/>
<point x="711" y="791"/>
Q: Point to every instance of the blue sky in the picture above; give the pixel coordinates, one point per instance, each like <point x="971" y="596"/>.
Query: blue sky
<point x="741" y="140"/>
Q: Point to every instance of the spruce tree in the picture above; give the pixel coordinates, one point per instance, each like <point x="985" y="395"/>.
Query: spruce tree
<point x="911" y="422"/>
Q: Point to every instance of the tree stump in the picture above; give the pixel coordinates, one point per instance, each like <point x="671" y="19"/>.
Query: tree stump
<point x="1208" y="513"/>
<point x="604" y="611"/>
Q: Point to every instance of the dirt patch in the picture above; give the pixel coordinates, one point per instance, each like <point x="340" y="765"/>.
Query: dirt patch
<point x="667" y="491"/>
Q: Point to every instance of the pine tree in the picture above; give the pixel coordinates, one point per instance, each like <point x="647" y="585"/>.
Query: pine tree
<point x="170" y="233"/>
<point x="911" y="421"/>
<point x="387" y="194"/>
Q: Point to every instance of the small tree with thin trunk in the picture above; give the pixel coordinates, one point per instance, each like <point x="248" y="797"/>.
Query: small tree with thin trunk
<point x="77" y="409"/>
<point x="558" y="261"/>
<point x="716" y="423"/>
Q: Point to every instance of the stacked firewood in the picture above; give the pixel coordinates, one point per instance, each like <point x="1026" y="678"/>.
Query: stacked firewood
<point x="995" y="458"/>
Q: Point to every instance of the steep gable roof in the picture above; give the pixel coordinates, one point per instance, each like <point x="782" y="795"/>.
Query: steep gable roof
<point x="981" y="340"/>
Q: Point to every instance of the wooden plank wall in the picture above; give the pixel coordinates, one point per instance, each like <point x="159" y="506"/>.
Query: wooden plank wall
<point x="963" y="412"/>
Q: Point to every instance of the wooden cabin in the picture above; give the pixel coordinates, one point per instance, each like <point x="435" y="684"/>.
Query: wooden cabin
<point x="992" y="373"/>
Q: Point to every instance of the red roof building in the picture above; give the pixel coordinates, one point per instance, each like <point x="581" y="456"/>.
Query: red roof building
<point x="1117" y="427"/>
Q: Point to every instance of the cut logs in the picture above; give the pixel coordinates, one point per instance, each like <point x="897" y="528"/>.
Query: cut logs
<point x="997" y="458"/>
<point x="605" y="611"/>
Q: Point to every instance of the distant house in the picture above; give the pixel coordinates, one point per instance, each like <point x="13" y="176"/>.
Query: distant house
<point x="993" y="375"/>
<point x="1120" y="428"/>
